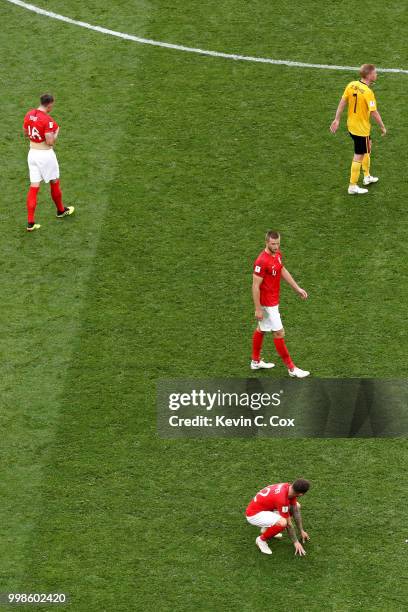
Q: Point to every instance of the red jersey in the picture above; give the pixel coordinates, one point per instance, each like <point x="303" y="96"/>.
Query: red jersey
<point x="37" y="123"/>
<point x="274" y="497"/>
<point x="269" y="267"/>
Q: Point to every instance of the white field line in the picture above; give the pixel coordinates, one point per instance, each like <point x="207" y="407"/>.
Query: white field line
<point x="157" y="43"/>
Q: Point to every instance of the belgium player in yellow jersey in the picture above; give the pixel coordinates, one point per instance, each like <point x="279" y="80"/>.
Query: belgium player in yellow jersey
<point x="361" y="106"/>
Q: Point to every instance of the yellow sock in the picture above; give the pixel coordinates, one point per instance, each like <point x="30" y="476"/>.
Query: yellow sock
<point x="366" y="164"/>
<point x="355" y="172"/>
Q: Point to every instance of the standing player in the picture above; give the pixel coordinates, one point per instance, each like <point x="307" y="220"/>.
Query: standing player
<point x="42" y="131"/>
<point x="271" y="510"/>
<point x="361" y="105"/>
<point x="268" y="270"/>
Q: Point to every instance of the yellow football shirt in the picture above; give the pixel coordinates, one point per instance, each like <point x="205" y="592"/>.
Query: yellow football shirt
<point x="361" y="102"/>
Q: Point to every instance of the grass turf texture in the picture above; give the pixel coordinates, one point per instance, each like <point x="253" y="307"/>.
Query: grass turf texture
<point x="177" y="164"/>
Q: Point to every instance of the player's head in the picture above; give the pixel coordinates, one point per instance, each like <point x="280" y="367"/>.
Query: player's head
<point x="47" y="101"/>
<point x="272" y="241"/>
<point x="368" y="72"/>
<point x="300" y="487"/>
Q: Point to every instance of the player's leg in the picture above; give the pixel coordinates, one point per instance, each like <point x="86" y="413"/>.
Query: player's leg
<point x="264" y="520"/>
<point x="360" y="149"/>
<point x="32" y="205"/>
<point x="277" y="537"/>
<point x="366" y="159"/>
<point x="271" y="523"/>
<point x="56" y="195"/>
<point x="368" y="179"/>
<point x="52" y="175"/>
<point x="356" y="168"/>
<point x="274" y="529"/>
<point x="35" y="180"/>
<point x="257" y="340"/>
<point x="269" y="533"/>
<point x="281" y="348"/>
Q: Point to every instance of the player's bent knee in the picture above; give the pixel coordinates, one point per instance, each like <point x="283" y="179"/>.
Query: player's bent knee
<point x="282" y="522"/>
<point x="279" y="334"/>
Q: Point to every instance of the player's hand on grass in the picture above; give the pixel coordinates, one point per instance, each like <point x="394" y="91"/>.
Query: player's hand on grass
<point x="302" y="293"/>
<point x="383" y="130"/>
<point x="299" y="550"/>
<point x="305" y="536"/>
<point x="334" y="126"/>
<point x="258" y="314"/>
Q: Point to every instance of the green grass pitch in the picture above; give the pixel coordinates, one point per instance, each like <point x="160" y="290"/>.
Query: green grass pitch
<point x="177" y="164"/>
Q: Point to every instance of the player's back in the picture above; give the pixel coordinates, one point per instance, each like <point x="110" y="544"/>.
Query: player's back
<point x="361" y="102"/>
<point x="273" y="497"/>
<point x="38" y="123"/>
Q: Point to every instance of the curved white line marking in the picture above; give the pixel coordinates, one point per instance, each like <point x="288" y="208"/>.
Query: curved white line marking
<point x="157" y="43"/>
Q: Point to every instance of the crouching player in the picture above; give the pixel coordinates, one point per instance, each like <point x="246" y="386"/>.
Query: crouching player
<point x="272" y="510"/>
<point x="42" y="131"/>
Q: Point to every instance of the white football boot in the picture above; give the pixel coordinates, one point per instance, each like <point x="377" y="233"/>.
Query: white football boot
<point x="263" y="546"/>
<point x="370" y="179"/>
<point x="355" y="189"/>
<point x="278" y="536"/>
<point x="298" y="373"/>
<point x="261" y="365"/>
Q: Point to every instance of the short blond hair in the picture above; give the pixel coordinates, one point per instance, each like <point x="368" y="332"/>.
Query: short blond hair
<point x="272" y="235"/>
<point x="366" y="69"/>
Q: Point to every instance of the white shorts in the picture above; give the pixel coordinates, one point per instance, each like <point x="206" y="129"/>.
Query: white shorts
<point x="43" y="165"/>
<point x="264" y="519"/>
<point x="271" y="319"/>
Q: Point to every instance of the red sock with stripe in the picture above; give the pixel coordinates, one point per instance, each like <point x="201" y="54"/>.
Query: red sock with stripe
<point x="32" y="203"/>
<point x="257" y="340"/>
<point x="271" y="532"/>
<point x="283" y="352"/>
<point x="56" y="195"/>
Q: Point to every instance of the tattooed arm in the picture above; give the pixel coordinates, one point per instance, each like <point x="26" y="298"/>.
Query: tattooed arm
<point x="299" y="550"/>
<point x="297" y="515"/>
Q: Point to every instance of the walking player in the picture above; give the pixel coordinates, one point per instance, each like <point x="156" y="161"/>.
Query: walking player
<point x="267" y="274"/>
<point x="361" y="106"/>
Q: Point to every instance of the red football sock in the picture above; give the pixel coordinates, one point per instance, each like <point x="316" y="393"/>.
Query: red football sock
<point x="32" y="203"/>
<point x="283" y="352"/>
<point x="257" y="340"/>
<point x="271" y="531"/>
<point x="56" y="195"/>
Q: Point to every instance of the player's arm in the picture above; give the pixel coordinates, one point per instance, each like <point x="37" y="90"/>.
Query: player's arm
<point x="256" y="295"/>
<point x="287" y="277"/>
<point x="336" y="121"/>
<point x="297" y="515"/>
<point x="299" y="550"/>
<point x="377" y="118"/>
<point x="25" y="127"/>
<point x="51" y="137"/>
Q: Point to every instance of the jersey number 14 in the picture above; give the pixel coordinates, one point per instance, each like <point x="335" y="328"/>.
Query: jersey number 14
<point x="33" y="132"/>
